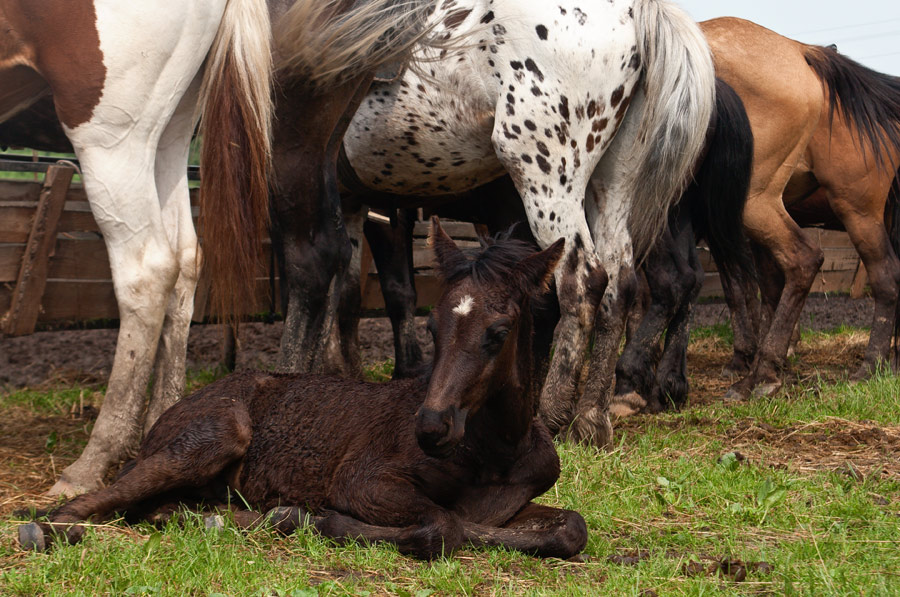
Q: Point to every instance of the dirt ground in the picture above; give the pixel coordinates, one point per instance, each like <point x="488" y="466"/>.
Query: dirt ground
<point x="86" y="355"/>
<point x="33" y="449"/>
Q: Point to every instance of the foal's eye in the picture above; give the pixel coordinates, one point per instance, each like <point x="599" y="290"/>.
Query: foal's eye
<point x="494" y="338"/>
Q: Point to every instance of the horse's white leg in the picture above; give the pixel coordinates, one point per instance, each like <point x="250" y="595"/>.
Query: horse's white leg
<point x="117" y="148"/>
<point x="174" y="198"/>
<point x="559" y="108"/>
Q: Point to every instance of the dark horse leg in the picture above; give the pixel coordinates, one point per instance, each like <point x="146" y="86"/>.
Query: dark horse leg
<point x="672" y="385"/>
<point x="391" y="246"/>
<point x="670" y="280"/>
<point x="192" y="444"/>
<point x="306" y="207"/>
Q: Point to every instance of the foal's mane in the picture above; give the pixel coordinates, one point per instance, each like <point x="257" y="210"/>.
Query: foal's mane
<point x="493" y="262"/>
<point x="868" y="100"/>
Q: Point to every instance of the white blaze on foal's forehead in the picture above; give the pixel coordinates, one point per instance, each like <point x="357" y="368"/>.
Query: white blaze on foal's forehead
<point x="464" y="306"/>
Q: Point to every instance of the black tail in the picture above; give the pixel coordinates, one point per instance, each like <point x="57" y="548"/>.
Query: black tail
<point x="892" y="216"/>
<point x="717" y="196"/>
<point x="868" y="100"/>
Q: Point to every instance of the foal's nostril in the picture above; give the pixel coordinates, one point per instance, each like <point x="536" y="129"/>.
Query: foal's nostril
<point x="433" y="431"/>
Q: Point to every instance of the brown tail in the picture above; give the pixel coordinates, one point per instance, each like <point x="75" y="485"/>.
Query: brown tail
<point x="868" y="101"/>
<point x="236" y="112"/>
<point x="326" y="43"/>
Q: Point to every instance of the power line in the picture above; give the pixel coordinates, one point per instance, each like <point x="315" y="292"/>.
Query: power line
<point x="864" y="37"/>
<point x="849" y="26"/>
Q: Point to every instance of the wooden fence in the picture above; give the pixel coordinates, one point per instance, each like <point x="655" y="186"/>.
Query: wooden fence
<point x="54" y="267"/>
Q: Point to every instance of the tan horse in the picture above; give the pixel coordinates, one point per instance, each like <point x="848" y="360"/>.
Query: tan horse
<point x="821" y="123"/>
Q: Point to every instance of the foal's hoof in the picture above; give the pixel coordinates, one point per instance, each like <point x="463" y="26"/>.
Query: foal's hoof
<point x="31" y="537"/>
<point x="214" y="523"/>
<point x="285" y="520"/>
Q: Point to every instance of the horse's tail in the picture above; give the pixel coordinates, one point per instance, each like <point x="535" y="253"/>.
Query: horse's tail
<point x="326" y="42"/>
<point x="719" y="190"/>
<point x="236" y="108"/>
<point x="868" y="101"/>
<point x="679" y="89"/>
<point x="892" y="215"/>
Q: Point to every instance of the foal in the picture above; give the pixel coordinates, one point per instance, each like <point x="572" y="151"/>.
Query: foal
<point x="427" y="464"/>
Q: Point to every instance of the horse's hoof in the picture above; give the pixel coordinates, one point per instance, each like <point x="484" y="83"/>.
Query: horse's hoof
<point x="68" y="490"/>
<point x="765" y="390"/>
<point x="31" y="537"/>
<point x="862" y="374"/>
<point x="733" y="395"/>
<point x="214" y="523"/>
<point x="626" y="405"/>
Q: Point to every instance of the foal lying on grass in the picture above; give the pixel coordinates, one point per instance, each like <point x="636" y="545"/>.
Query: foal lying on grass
<point x="428" y="464"/>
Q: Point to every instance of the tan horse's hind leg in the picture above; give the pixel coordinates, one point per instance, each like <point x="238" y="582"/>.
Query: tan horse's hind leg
<point x="861" y="213"/>
<point x="768" y="224"/>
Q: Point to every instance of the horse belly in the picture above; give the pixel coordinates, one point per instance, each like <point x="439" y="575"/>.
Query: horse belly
<point x="421" y="137"/>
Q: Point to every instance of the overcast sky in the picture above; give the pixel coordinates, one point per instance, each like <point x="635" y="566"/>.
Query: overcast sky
<point x="866" y="30"/>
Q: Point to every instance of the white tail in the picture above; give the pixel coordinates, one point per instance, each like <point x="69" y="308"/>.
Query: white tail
<point x="679" y="90"/>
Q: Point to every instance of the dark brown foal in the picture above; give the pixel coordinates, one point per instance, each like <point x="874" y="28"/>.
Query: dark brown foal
<point x="428" y="464"/>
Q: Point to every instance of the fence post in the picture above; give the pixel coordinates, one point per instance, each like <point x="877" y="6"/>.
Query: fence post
<point x="32" y="280"/>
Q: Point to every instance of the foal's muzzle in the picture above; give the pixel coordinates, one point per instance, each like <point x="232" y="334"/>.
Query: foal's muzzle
<point x="439" y="432"/>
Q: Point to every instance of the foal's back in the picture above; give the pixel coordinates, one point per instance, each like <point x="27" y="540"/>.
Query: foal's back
<point x="301" y="429"/>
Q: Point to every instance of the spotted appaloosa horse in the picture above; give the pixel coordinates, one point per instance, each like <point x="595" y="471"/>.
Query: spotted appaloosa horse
<point x="126" y="81"/>
<point x="598" y="113"/>
<point x="820" y="121"/>
<point x="427" y="464"/>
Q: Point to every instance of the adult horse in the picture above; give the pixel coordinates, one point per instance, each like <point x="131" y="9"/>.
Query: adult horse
<point x="127" y="84"/>
<point x="542" y="92"/>
<point x="126" y="81"/>
<point x="835" y="129"/>
<point x="427" y="464"/>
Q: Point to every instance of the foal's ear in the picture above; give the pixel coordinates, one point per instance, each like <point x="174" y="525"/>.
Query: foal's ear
<point x="449" y="257"/>
<point x="536" y="271"/>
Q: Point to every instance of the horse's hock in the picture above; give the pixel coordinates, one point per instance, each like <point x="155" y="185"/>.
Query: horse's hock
<point x="54" y="268"/>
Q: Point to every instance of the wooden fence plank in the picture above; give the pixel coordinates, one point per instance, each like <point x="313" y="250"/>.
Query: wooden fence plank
<point x="25" y="304"/>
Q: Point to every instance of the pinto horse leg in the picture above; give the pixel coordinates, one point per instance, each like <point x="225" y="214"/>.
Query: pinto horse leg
<point x="306" y="208"/>
<point x="144" y="270"/>
<point x="392" y="251"/>
<point x="174" y="197"/>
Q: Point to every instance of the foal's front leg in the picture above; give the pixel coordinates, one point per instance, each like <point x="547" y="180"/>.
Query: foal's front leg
<point x="537" y="529"/>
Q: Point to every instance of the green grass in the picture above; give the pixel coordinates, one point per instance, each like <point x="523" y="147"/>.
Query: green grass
<point x="670" y="488"/>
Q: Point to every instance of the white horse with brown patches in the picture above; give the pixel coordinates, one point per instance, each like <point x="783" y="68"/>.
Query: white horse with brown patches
<point x="128" y="80"/>
<point x="598" y="111"/>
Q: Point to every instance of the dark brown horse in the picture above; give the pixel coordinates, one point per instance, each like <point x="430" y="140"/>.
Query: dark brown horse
<point x="820" y="122"/>
<point x="427" y="463"/>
